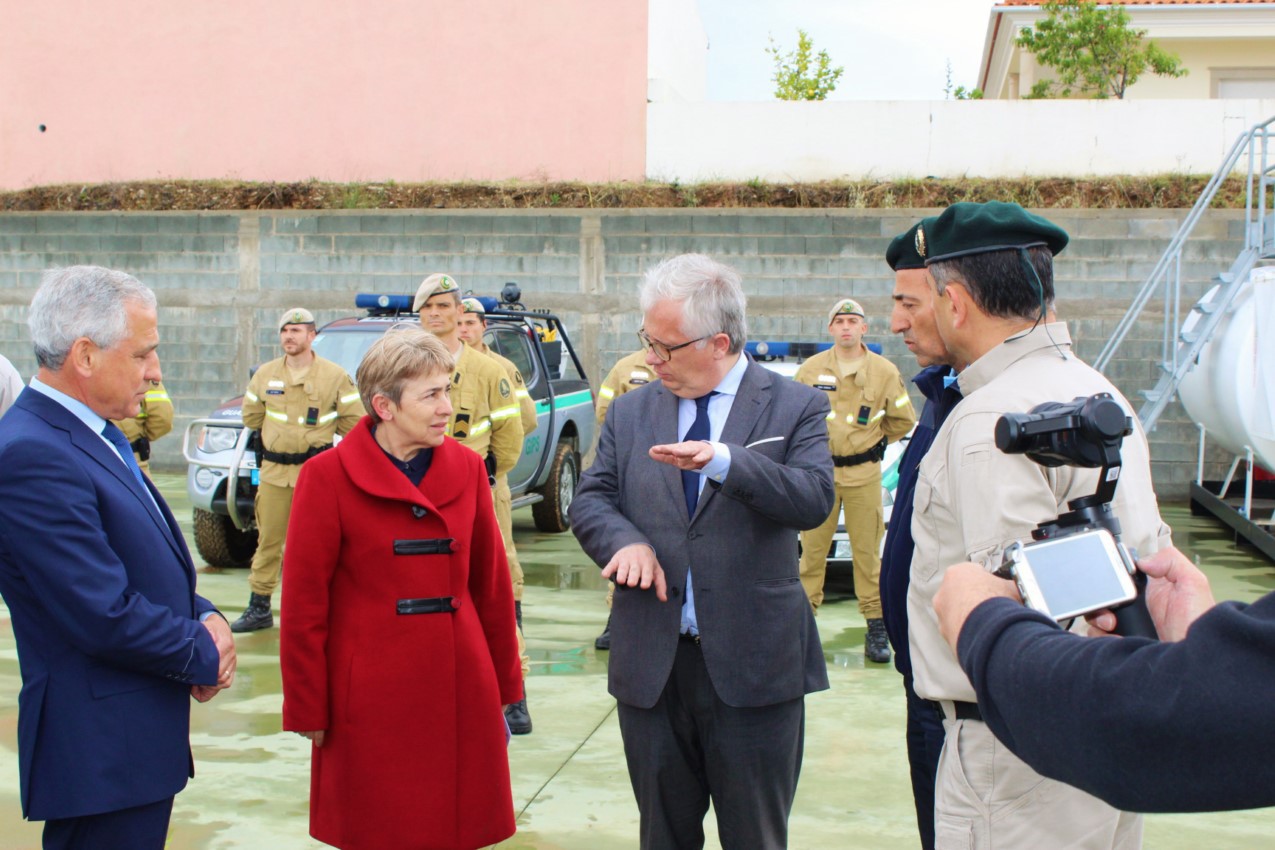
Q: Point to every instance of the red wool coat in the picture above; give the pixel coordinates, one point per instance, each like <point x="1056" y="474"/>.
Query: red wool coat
<point x="415" y="750"/>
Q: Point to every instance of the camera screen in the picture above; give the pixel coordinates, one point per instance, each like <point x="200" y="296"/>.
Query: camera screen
<point x="1076" y="574"/>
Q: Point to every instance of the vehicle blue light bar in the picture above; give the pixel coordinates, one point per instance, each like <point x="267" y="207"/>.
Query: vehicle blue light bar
<point x="768" y="350"/>
<point x="383" y="303"/>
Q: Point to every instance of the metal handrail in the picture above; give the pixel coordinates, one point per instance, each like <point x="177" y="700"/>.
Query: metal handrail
<point x="1172" y="257"/>
<point x="1178" y="352"/>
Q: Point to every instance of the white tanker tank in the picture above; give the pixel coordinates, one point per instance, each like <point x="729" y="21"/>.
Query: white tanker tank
<point x="1231" y="391"/>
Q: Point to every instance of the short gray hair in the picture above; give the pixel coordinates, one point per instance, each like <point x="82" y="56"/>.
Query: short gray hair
<point x="82" y="301"/>
<point x="403" y="353"/>
<point x="711" y="293"/>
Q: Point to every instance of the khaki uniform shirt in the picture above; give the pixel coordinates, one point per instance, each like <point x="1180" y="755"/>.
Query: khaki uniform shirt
<point x="485" y="414"/>
<point x="280" y="408"/>
<point x="866" y="406"/>
<point x="629" y="373"/>
<point x="526" y="407"/>
<point x="154" y="420"/>
<point x="972" y="500"/>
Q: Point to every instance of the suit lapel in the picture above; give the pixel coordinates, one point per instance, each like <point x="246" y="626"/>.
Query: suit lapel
<point x="663" y="427"/>
<point x="95" y="447"/>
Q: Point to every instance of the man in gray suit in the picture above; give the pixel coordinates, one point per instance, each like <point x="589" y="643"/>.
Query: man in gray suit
<point x="701" y="483"/>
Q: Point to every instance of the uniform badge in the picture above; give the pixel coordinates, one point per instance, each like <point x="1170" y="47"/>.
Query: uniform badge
<point x="918" y="242"/>
<point x="639" y="376"/>
<point x="865" y="413"/>
<point x="504" y="388"/>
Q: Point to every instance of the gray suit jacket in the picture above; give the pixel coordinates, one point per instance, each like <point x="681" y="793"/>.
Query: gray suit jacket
<point x="758" y="634"/>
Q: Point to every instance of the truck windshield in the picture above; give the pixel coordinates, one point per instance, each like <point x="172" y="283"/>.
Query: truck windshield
<point x="347" y="347"/>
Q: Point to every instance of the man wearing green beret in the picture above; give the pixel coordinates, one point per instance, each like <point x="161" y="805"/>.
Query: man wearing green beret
<point x="870" y="408"/>
<point x="992" y="271"/>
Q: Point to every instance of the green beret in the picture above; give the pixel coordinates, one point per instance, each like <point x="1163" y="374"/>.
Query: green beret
<point x="968" y="228"/>
<point x="904" y="251"/>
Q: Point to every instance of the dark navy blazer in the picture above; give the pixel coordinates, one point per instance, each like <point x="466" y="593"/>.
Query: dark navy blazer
<point x="101" y="592"/>
<point x="896" y="558"/>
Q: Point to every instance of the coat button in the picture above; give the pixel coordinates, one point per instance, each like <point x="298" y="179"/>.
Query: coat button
<point x="418" y="511"/>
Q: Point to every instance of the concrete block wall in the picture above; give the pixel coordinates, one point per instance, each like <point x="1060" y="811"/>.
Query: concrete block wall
<point x="224" y="278"/>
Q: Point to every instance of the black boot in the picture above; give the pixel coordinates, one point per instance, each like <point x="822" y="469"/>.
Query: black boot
<point x="603" y="641"/>
<point x="517" y="716"/>
<point x="876" y="647"/>
<point x="256" y="616"/>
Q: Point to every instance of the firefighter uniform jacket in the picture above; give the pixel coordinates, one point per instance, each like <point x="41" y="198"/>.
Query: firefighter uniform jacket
<point x="485" y="414"/>
<point x="526" y="407"/>
<point x="867" y="406"/>
<point x="154" y="420"/>
<point x="629" y="373"/>
<point x="296" y="417"/>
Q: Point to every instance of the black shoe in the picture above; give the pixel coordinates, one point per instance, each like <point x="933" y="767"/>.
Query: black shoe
<point x="876" y="648"/>
<point x="517" y="717"/>
<point x="603" y="641"/>
<point x="256" y="616"/>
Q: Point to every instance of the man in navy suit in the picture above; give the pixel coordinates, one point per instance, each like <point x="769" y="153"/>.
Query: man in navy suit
<point x="112" y="640"/>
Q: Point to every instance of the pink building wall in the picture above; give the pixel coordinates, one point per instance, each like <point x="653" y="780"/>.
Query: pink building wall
<point x="341" y="90"/>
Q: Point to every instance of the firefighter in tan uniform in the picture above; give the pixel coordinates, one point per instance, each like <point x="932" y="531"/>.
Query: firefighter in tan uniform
<point x="991" y="272"/>
<point x="870" y="408"/>
<point x="629" y="373"/>
<point x="153" y="420"/>
<point x="486" y="417"/>
<point x="298" y="402"/>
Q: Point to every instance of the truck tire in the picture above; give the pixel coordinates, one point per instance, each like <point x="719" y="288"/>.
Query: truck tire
<point x="551" y="514"/>
<point x="220" y="544"/>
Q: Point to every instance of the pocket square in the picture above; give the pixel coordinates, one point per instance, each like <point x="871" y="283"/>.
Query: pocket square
<point x="759" y="442"/>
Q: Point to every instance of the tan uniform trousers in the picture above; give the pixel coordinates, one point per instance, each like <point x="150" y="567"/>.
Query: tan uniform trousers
<point x="865" y="526"/>
<point x="274" y="504"/>
<point x="503" y="500"/>
<point x="983" y="788"/>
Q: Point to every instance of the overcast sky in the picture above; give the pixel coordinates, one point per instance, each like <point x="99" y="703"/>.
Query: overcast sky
<point x="890" y="49"/>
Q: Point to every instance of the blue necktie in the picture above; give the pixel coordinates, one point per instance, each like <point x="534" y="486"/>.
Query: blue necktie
<point x="117" y="438"/>
<point x="700" y="430"/>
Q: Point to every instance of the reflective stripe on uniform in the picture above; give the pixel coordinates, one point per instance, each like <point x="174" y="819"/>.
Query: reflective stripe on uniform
<point x="901" y="401"/>
<point x="522" y="394"/>
<point x="832" y="415"/>
<point x="505" y="412"/>
<point x="606" y="392"/>
<point x="481" y="428"/>
<point x="880" y="413"/>
<point x="325" y="418"/>
<point x="277" y="416"/>
<point x="160" y="395"/>
<point x="346" y="399"/>
<point x="251" y="396"/>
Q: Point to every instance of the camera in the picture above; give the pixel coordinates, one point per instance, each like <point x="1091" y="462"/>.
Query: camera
<point x="1077" y="564"/>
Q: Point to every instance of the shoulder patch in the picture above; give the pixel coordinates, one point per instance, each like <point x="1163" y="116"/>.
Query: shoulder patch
<point x="518" y="379"/>
<point x="504" y="388"/>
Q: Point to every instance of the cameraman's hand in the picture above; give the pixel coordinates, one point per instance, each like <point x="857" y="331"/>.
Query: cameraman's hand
<point x="965" y="587"/>
<point x="1177" y="593"/>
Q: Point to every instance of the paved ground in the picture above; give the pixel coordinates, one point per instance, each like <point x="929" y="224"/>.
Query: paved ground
<point x="569" y="779"/>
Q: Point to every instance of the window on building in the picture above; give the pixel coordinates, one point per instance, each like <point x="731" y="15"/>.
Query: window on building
<point x="1230" y="83"/>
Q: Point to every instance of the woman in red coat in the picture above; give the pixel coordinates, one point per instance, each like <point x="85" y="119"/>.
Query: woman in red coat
<point x="397" y="644"/>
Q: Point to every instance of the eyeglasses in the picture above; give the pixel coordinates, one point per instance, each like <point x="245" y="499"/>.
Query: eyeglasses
<point x="662" y="351"/>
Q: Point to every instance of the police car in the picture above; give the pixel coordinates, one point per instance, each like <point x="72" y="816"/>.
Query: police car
<point x="784" y="358"/>
<point x="221" y="475"/>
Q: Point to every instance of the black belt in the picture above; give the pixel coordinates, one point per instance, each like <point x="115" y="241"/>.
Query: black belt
<point x="873" y="454"/>
<point x="687" y="637"/>
<point x="431" y="605"/>
<point x="964" y="710"/>
<point x="293" y="458"/>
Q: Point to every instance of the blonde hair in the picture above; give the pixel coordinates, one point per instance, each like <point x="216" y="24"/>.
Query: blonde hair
<point x="402" y="354"/>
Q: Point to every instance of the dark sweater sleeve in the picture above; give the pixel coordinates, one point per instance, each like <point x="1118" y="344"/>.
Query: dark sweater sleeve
<point x="1146" y="726"/>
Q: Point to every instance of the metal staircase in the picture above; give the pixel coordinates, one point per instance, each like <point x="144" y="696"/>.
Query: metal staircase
<point x="1179" y="349"/>
<point x="1238" y="506"/>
